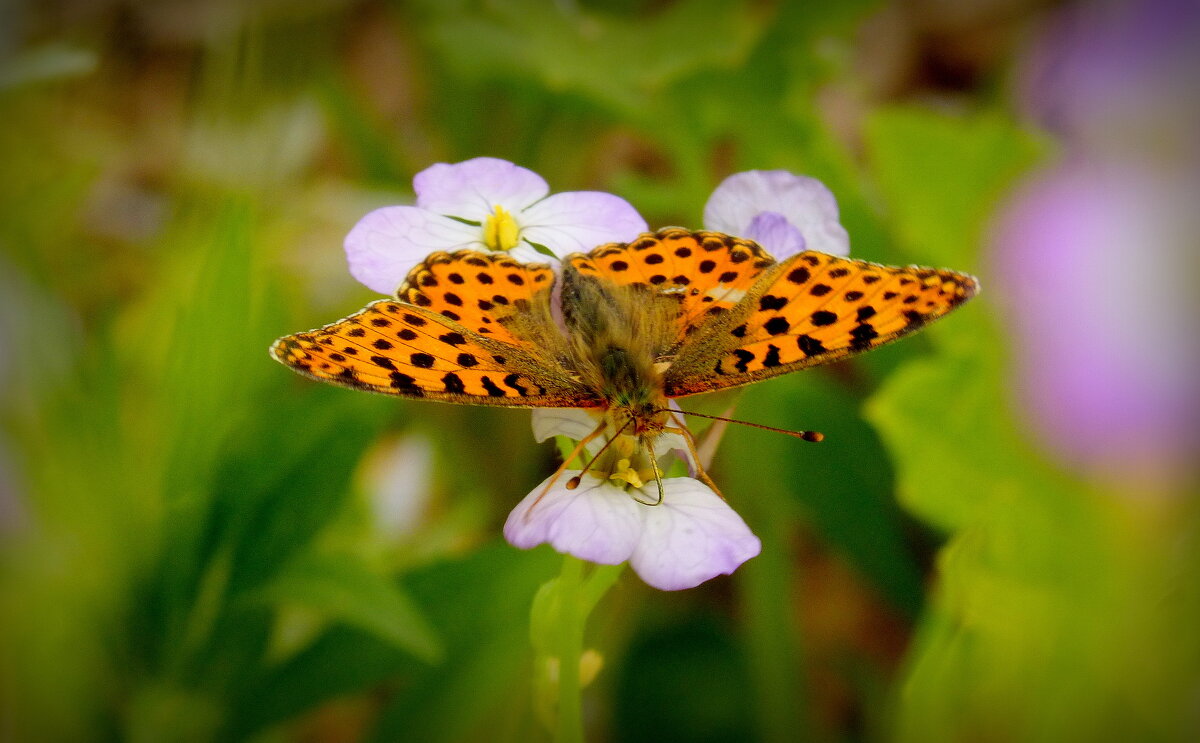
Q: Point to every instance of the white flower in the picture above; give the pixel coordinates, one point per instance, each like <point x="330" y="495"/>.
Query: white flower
<point x="691" y="536"/>
<point x="484" y="204"/>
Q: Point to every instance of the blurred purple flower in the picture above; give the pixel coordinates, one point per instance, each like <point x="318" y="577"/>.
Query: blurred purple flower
<point x="1117" y="72"/>
<point x="1095" y="256"/>
<point x="783" y="212"/>
<point x="484" y="204"/>
<point x="1094" y="264"/>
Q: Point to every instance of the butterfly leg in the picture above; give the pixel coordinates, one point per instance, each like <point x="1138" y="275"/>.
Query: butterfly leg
<point x="574" y="481"/>
<point x="691" y="444"/>
<point x="566" y="461"/>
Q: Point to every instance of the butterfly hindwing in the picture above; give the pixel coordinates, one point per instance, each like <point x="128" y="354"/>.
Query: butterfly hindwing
<point x="813" y="309"/>
<point x="708" y="272"/>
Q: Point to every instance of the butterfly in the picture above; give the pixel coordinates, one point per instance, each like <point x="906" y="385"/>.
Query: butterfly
<point x="673" y="313"/>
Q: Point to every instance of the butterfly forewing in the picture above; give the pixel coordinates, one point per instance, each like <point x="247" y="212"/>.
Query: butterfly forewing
<point x="708" y="271"/>
<point x="479" y="290"/>
<point x="413" y="350"/>
<point x="813" y="309"/>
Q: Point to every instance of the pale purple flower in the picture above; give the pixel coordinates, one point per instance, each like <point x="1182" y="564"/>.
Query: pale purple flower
<point x="483" y="204"/>
<point x="1094" y="264"/>
<point x="783" y="212"/>
<point x="688" y="538"/>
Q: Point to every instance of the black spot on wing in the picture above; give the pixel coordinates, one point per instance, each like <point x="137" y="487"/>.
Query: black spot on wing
<point x="453" y="383"/>
<point x="862" y="335"/>
<point x="772" y="302"/>
<point x="809" y="346"/>
<point x="514" y="381"/>
<point x="406" y="383"/>
<point x="491" y="387"/>
<point x="772" y="357"/>
<point x="744" y="358"/>
<point x="777" y="325"/>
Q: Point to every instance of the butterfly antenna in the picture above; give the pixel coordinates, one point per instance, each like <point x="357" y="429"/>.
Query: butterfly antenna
<point x="691" y="445"/>
<point x="574" y="481"/>
<point x="567" y="460"/>
<point x="804" y="435"/>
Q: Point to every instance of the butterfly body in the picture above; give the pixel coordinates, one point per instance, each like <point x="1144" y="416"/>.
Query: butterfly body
<point x="672" y="314"/>
<point x="618" y="338"/>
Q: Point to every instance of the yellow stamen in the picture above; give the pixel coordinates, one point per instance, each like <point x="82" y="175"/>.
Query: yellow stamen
<point x="500" y="231"/>
<point x="626" y="474"/>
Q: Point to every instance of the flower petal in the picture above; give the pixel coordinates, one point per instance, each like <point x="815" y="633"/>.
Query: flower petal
<point x="523" y="252"/>
<point x="473" y="188"/>
<point x="597" y="521"/>
<point x="805" y="202"/>
<point x="574" y="423"/>
<point x="674" y="442"/>
<point x="577" y="221"/>
<point x="773" y="229"/>
<point x="577" y="423"/>
<point x="690" y="537"/>
<point x="384" y="246"/>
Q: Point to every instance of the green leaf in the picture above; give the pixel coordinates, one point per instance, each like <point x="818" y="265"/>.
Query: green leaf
<point x="481" y="605"/>
<point x="342" y="588"/>
<point x="619" y="62"/>
<point x="944" y="420"/>
<point x="843" y="484"/>
<point x="942" y="175"/>
<point x="685" y="680"/>
<point x="1049" y="592"/>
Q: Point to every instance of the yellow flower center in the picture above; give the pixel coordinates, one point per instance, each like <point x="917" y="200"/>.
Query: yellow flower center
<point x="626" y="474"/>
<point x="500" y="231"/>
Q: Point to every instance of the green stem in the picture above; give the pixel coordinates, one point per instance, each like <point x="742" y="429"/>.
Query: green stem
<point x="768" y="585"/>
<point x="570" y="648"/>
<point x="597" y="584"/>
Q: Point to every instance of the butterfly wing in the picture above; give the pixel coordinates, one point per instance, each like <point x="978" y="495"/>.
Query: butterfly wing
<point x="813" y="309"/>
<point x="708" y="272"/>
<point x="482" y="291"/>
<point x="443" y="341"/>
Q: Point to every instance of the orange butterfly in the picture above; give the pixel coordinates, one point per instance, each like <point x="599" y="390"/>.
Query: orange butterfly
<point x="671" y="314"/>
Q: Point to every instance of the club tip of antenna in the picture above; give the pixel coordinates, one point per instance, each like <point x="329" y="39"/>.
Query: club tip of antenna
<point x="812" y="436"/>
<point x="574" y="482"/>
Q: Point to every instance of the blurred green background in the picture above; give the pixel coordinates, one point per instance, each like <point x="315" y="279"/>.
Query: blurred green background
<point x="199" y="545"/>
